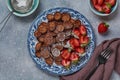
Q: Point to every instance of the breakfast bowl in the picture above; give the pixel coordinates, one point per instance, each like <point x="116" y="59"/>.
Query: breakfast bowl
<point x="103" y="7"/>
<point x="22" y="8"/>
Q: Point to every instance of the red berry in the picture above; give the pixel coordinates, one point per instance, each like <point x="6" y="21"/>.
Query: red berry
<point x="94" y="2"/>
<point x="103" y="27"/>
<point x="66" y="63"/>
<point x="80" y="50"/>
<point x="74" y="57"/>
<point x="100" y="2"/>
<point x="65" y="54"/>
<point x="74" y="42"/>
<point x="76" y="32"/>
<point x="112" y="2"/>
<point x="84" y="41"/>
<point x="106" y="8"/>
<point x="98" y="8"/>
<point x="83" y="30"/>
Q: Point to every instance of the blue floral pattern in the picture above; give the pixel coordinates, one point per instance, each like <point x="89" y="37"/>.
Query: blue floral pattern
<point x="55" y="69"/>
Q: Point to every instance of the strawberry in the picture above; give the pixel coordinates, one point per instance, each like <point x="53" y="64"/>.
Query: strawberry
<point x="98" y="8"/>
<point x="76" y="32"/>
<point x="94" y="2"/>
<point x="100" y="2"/>
<point x="80" y="50"/>
<point x="106" y="0"/>
<point x="112" y="2"/>
<point x="74" y="57"/>
<point x="66" y="63"/>
<point x="84" y="41"/>
<point x="74" y="42"/>
<point x="83" y="30"/>
<point x="65" y="54"/>
<point x="106" y="8"/>
<point x="102" y="27"/>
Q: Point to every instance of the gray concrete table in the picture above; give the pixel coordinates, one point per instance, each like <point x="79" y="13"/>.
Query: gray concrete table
<point x="15" y="61"/>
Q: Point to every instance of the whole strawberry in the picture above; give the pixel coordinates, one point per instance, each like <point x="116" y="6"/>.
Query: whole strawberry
<point x="103" y="27"/>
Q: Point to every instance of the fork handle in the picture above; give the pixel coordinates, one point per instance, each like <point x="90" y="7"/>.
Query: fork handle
<point x="92" y="72"/>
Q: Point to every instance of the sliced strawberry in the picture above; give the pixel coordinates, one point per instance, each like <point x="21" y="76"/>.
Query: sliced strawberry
<point x="112" y="2"/>
<point x="83" y="30"/>
<point x="98" y="8"/>
<point x="100" y="2"/>
<point x="80" y="50"/>
<point x="74" y="42"/>
<point x="65" y="54"/>
<point x="106" y="9"/>
<point x="66" y="63"/>
<point x="76" y="32"/>
<point x="94" y="2"/>
<point x="74" y="57"/>
<point x="106" y="0"/>
<point x="84" y="41"/>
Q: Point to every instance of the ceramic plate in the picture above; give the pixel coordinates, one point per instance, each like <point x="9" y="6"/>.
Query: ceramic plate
<point x="55" y="69"/>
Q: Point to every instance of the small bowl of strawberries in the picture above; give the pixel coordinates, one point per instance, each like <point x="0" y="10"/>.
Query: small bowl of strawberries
<point x="103" y="7"/>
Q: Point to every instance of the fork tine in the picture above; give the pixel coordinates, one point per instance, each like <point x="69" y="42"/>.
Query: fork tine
<point x="104" y="52"/>
<point x="109" y="53"/>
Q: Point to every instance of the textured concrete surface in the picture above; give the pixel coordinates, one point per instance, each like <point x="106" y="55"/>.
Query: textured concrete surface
<point x="15" y="61"/>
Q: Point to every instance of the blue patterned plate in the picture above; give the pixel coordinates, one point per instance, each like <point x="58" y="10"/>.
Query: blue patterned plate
<point x="55" y="69"/>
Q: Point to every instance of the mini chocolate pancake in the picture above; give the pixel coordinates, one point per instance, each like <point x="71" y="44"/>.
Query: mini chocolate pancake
<point x="48" y="39"/>
<point x="37" y="34"/>
<point x="77" y="23"/>
<point x="55" y="52"/>
<point x="49" y="61"/>
<point x="52" y="25"/>
<point x="41" y="38"/>
<point x="66" y="17"/>
<point x="58" y="59"/>
<point x="58" y="62"/>
<point x="50" y="17"/>
<point x="57" y="16"/>
<point x="45" y="53"/>
<point x="72" y="20"/>
<point x="60" y="36"/>
<point x="60" y="27"/>
<point x="38" y="46"/>
<point x="43" y="27"/>
<point x="68" y="25"/>
<point x="38" y="54"/>
<point x="59" y="46"/>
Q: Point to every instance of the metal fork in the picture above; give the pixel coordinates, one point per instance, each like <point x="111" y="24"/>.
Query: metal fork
<point x="102" y="58"/>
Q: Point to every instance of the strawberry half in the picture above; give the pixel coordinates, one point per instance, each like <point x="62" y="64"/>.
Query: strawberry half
<point x="94" y="2"/>
<point x="84" y="41"/>
<point x="98" y="8"/>
<point x="66" y="63"/>
<point x="80" y="50"/>
<point x="83" y="30"/>
<point x="74" y="58"/>
<point x="103" y="27"/>
<point x="76" y="33"/>
<point x="100" y="2"/>
<point x="74" y="42"/>
<point x="65" y="54"/>
<point x="106" y="8"/>
<point x="112" y="2"/>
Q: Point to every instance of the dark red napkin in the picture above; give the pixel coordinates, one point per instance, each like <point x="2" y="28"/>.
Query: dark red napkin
<point x="104" y="71"/>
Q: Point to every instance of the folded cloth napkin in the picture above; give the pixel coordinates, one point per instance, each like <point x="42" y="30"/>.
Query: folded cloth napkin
<point x="104" y="71"/>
